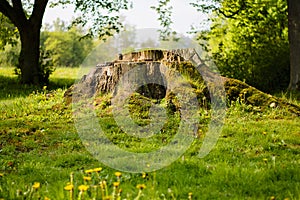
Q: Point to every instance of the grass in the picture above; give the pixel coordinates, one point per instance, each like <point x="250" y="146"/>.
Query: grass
<point x="61" y="78"/>
<point x="256" y="157"/>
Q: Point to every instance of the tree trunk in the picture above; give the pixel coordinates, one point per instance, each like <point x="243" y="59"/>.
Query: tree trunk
<point x="29" y="29"/>
<point x="294" y="39"/>
<point x="29" y="55"/>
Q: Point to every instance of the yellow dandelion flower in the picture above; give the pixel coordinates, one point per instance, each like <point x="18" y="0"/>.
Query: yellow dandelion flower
<point x="98" y="169"/>
<point x="141" y="186"/>
<point x="87" y="178"/>
<point x="264" y="133"/>
<point x="69" y="187"/>
<point x="265" y="159"/>
<point x="46" y="198"/>
<point x="89" y="171"/>
<point x="118" y="174"/>
<point x="36" y="185"/>
<point x="190" y="195"/>
<point x="1" y="174"/>
<point x="272" y="198"/>
<point x="144" y="175"/>
<point x="116" y="184"/>
<point x="83" y="187"/>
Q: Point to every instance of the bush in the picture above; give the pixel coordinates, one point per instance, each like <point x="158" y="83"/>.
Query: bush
<point x="252" y="46"/>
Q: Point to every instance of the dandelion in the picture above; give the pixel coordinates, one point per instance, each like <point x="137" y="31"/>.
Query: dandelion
<point x="36" y="185"/>
<point x="46" y="198"/>
<point x="115" y="193"/>
<point x="97" y="169"/>
<point x="265" y="160"/>
<point x="190" y="195"/>
<point x="144" y="175"/>
<point x="141" y="186"/>
<point x="264" y="133"/>
<point x="69" y="187"/>
<point x="116" y="184"/>
<point x="83" y="188"/>
<point x="118" y="174"/>
<point x="87" y="178"/>
<point x="89" y="171"/>
<point x="1" y="174"/>
<point x="272" y="198"/>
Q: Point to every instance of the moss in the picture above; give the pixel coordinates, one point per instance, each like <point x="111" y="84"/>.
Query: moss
<point x="235" y="91"/>
<point x="238" y="90"/>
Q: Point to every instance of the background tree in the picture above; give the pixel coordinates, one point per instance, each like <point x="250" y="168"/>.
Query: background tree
<point x="27" y="17"/>
<point x="9" y="33"/>
<point x="65" y="47"/>
<point x="252" y="45"/>
<point x="229" y="9"/>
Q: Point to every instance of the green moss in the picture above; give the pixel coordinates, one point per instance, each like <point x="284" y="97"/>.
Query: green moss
<point x="238" y="90"/>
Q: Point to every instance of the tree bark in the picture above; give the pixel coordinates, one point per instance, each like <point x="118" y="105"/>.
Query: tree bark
<point x="294" y="39"/>
<point x="29" y="29"/>
<point x="29" y="55"/>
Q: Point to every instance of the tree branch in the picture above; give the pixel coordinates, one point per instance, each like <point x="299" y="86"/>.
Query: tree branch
<point x="17" y="5"/>
<point x="231" y="14"/>
<point x="6" y="9"/>
<point x="39" y="8"/>
<point x="15" y="13"/>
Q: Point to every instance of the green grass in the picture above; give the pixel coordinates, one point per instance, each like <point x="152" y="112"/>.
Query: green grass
<point x="10" y="88"/>
<point x="256" y="157"/>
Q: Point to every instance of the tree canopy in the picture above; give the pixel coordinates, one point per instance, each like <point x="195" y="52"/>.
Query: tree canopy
<point x="101" y="16"/>
<point x="251" y="44"/>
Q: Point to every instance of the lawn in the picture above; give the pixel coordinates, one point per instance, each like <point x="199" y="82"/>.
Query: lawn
<point x="257" y="155"/>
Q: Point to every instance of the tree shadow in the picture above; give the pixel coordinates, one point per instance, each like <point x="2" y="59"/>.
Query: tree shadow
<point x="11" y="88"/>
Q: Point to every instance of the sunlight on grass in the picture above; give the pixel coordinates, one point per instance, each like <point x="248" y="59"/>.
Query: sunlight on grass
<point x="42" y="156"/>
<point x="65" y="72"/>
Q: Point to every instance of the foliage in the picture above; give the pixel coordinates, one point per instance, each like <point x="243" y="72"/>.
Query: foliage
<point x="9" y="55"/>
<point x="165" y="12"/>
<point x="8" y="32"/>
<point x="46" y="64"/>
<point x="102" y="14"/>
<point x="66" y="48"/>
<point x="249" y="41"/>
